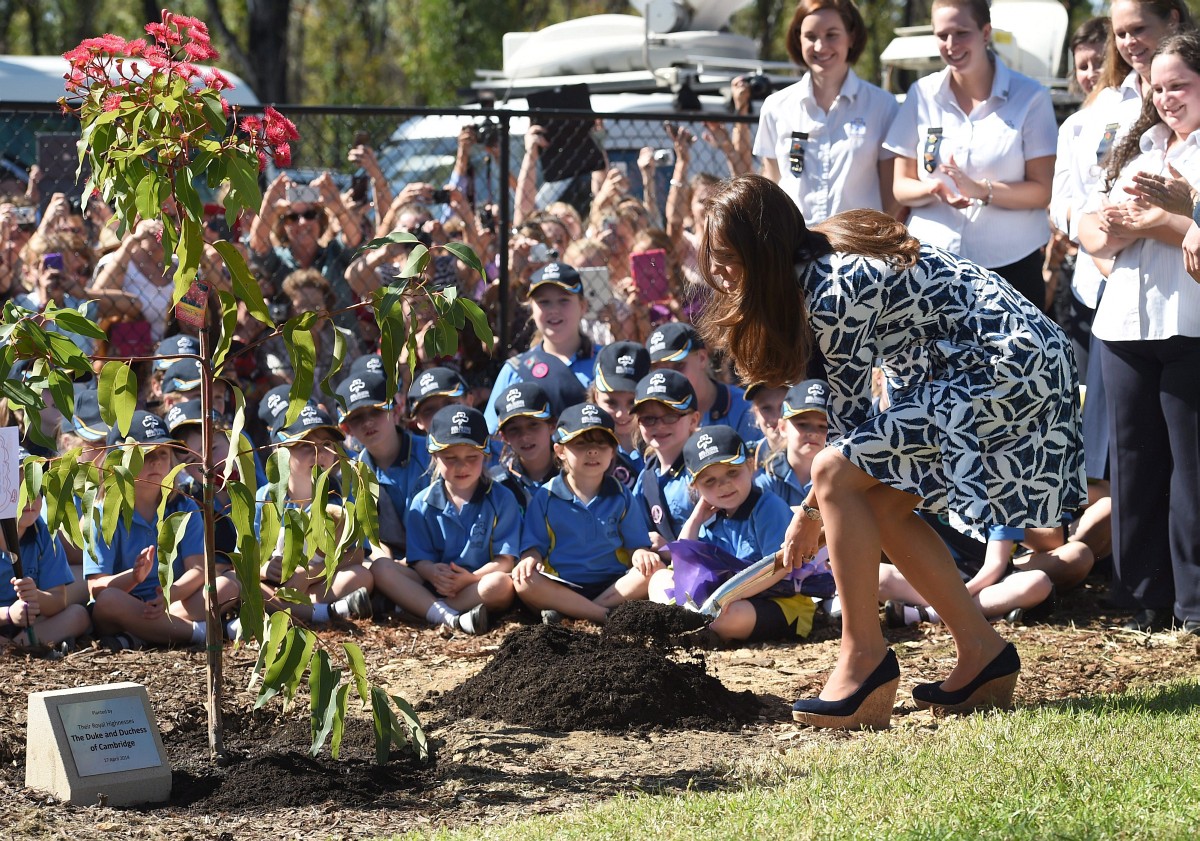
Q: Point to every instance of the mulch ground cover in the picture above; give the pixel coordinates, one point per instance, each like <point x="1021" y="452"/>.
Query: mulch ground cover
<point x="491" y="763"/>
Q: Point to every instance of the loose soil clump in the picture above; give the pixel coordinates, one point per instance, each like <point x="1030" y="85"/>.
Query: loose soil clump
<point x="554" y="678"/>
<point x="642" y="620"/>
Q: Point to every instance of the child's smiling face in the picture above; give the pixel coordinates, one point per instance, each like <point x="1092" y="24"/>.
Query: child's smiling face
<point x="725" y="486"/>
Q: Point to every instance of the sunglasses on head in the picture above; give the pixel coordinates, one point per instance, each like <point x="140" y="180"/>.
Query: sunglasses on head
<point x="310" y="214"/>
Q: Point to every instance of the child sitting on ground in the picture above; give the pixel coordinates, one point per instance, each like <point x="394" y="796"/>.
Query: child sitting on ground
<point x="33" y="607"/>
<point x="804" y="425"/>
<point x="584" y="529"/>
<point x="130" y="606"/>
<point x="464" y="530"/>
<point x="999" y="590"/>
<point x="311" y="442"/>
<point x="747" y="522"/>
<point x="665" y="406"/>
<point x="619" y="368"/>
<point x="526" y="425"/>
<point x="766" y="404"/>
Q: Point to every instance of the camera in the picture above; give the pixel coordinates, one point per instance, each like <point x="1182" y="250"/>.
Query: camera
<point x="440" y="197"/>
<point x="487" y="133"/>
<point x="487" y="219"/>
<point x="25" y="215"/>
<point x="664" y="157"/>
<point x="760" y="86"/>
<point x="542" y="253"/>
<point x="75" y="205"/>
<point x="279" y="311"/>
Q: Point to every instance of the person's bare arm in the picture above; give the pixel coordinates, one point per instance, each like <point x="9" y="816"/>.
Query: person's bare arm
<point x="527" y="178"/>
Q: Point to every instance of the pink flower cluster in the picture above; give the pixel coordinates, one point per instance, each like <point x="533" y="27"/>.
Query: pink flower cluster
<point x="278" y="132"/>
<point x="112" y="64"/>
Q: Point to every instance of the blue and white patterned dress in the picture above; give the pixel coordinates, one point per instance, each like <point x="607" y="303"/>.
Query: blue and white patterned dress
<point x="984" y="421"/>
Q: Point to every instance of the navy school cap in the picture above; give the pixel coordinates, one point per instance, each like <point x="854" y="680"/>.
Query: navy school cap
<point x="86" y="420"/>
<point x="182" y="415"/>
<point x="673" y="341"/>
<point x="362" y="391"/>
<point x="273" y="403"/>
<point x="172" y="345"/>
<point x="670" y="388"/>
<point x="559" y="274"/>
<point x="434" y="382"/>
<point x="711" y="445"/>
<point x="620" y="366"/>
<point x="581" y="418"/>
<point x="311" y="418"/>
<point x="182" y="375"/>
<point x="524" y="399"/>
<point x="368" y="363"/>
<point x="457" y="425"/>
<point x="145" y="430"/>
<point x="806" y="396"/>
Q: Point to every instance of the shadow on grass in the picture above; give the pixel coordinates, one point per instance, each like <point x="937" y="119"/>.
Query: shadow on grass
<point x="1173" y="699"/>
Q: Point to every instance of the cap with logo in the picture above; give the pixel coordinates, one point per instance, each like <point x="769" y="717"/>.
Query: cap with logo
<point x="560" y="274"/>
<point x="620" y="366"/>
<point x="172" y="346"/>
<point x="145" y="430"/>
<point x="454" y="425"/>
<point x="311" y="418"/>
<point x="670" y="388"/>
<point x="362" y="391"/>
<point x="368" y="363"/>
<point x="182" y="375"/>
<point x="582" y="418"/>
<point x="182" y="415"/>
<point x="711" y="445"/>
<point x="86" y="419"/>
<point x="434" y="382"/>
<point x="273" y="404"/>
<point x="806" y="396"/>
<point x="524" y="399"/>
<point x="673" y="341"/>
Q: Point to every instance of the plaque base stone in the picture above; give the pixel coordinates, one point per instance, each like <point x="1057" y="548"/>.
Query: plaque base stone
<point x="96" y="744"/>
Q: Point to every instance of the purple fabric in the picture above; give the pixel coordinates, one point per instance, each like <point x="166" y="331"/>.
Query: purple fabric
<point x="700" y="568"/>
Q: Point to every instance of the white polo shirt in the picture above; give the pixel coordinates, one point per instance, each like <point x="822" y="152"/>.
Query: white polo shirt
<point x="1015" y="124"/>
<point x="1083" y="142"/>
<point x="841" y="152"/>
<point x="1149" y="294"/>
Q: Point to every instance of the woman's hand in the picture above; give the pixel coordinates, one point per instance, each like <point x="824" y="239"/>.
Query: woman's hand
<point x="801" y="540"/>
<point x="968" y="187"/>
<point x="943" y="193"/>
<point x="1191" y="252"/>
<point x="1173" y="194"/>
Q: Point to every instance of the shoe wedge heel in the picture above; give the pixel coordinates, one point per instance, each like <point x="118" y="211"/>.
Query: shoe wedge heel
<point x="995" y="694"/>
<point x="992" y="688"/>
<point x="874" y="713"/>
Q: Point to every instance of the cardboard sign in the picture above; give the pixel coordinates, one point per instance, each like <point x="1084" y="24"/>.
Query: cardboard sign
<point x="10" y="476"/>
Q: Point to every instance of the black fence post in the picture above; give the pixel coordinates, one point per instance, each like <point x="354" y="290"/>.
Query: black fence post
<point x="505" y="231"/>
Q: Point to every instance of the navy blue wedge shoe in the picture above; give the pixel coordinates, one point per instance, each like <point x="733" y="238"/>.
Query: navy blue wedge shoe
<point x="868" y="707"/>
<point x="992" y="687"/>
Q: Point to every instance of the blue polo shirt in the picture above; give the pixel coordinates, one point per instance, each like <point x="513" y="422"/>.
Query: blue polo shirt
<point x="731" y="408"/>
<point x="406" y="476"/>
<point x="754" y="530"/>
<point x="672" y="490"/>
<point x="42" y="559"/>
<point x="583" y="367"/>
<point x="127" y="544"/>
<point x="778" y="477"/>
<point x="487" y="526"/>
<point x="585" y="543"/>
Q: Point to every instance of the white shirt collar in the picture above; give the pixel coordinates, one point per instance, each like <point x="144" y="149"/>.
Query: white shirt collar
<point x="851" y="85"/>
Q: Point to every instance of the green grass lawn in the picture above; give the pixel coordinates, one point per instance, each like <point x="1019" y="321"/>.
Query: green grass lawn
<point x="1123" y="766"/>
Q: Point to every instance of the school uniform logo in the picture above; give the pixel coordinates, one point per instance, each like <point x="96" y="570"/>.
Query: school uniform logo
<point x="174" y="416"/>
<point x="460" y="423"/>
<point x="658" y="384"/>
<point x="513" y="400"/>
<point x="816" y="393"/>
<point x="625" y="365"/>
<point x="589" y="415"/>
<point x="427" y="380"/>
<point x="153" y="427"/>
<point x="856" y="127"/>
<point x="276" y="404"/>
<point x="705" y="447"/>
<point x="358" y="389"/>
<point x="657" y="341"/>
<point x="550" y="272"/>
<point x="478" y="534"/>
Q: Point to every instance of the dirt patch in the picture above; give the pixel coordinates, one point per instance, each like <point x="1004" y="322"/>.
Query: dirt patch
<point x="555" y="678"/>
<point x="650" y="621"/>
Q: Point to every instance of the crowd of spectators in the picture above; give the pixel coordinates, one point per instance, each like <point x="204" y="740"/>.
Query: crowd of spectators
<point x="605" y="430"/>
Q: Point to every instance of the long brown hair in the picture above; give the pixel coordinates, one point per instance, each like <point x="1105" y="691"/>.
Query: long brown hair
<point x="763" y="324"/>
<point x="1186" y="45"/>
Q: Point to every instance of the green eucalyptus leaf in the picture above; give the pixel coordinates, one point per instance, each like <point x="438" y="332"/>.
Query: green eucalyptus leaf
<point x="339" y="719"/>
<point x="478" y="319"/>
<point x="117" y="395"/>
<point x="323" y="684"/>
<point x="170" y="534"/>
<point x="358" y="670"/>
<point x="245" y="287"/>
<point x="463" y="252"/>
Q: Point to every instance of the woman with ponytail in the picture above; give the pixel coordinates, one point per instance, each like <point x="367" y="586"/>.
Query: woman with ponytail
<point x="983" y="422"/>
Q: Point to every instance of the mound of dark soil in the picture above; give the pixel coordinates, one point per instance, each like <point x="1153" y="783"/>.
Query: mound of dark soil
<point x="553" y="678"/>
<point x="643" y="620"/>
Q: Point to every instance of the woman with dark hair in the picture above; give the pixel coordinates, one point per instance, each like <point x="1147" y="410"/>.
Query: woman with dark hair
<point x="820" y="139"/>
<point x="983" y="422"/>
<point x="1149" y="325"/>
<point x="974" y="149"/>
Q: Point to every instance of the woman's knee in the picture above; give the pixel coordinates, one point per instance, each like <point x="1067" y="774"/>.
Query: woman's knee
<point x="833" y="473"/>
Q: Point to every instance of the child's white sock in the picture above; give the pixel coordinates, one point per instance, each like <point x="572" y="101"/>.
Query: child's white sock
<point x="233" y="628"/>
<point x="913" y="615"/>
<point x="440" y="613"/>
<point x="320" y="614"/>
<point x="199" y="632"/>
